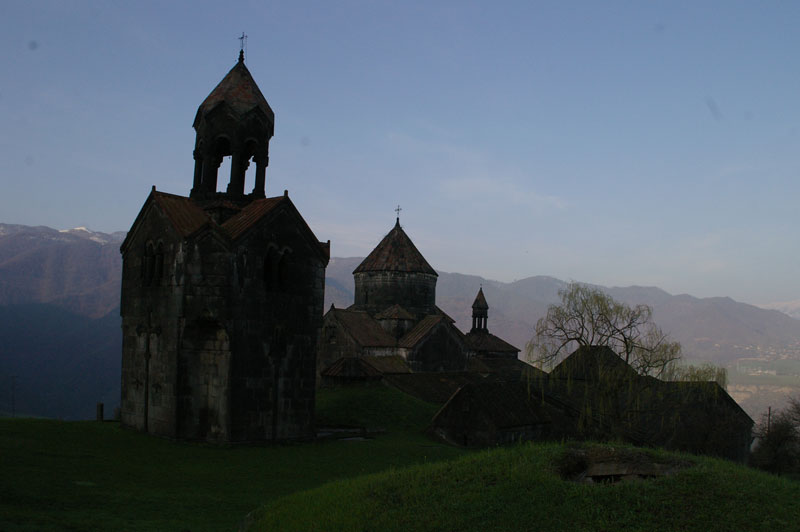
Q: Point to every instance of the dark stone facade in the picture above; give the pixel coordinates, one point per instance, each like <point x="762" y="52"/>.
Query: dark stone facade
<point x="222" y="293"/>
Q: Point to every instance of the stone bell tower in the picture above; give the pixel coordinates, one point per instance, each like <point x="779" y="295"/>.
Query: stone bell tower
<point x="222" y="292"/>
<point x="236" y="120"/>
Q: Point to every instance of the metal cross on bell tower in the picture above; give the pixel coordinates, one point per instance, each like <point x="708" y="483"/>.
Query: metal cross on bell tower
<point x="242" y="45"/>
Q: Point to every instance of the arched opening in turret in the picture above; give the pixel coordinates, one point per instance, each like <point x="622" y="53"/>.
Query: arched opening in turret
<point x="214" y="164"/>
<point x="224" y="173"/>
<point x="249" y="164"/>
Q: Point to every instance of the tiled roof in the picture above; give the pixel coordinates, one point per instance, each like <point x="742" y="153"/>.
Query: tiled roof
<point x="351" y="367"/>
<point x="252" y="213"/>
<point x="482" y="341"/>
<point x="504" y="368"/>
<point x="395" y="312"/>
<point x="592" y="363"/>
<point x="239" y="91"/>
<point x="363" y="328"/>
<point x="421" y="330"/>
<point x="480" y="301"/>
<point x="434" y="388"/>
<point x="395" y="253"/>
<point x="389" y="365"/>
<point x="366" y="367"/>
<point x="504" y="405"/>
<point x="186" y="216"/>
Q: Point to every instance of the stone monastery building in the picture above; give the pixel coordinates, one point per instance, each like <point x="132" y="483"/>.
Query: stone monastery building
<point x="222" y="292"/>
<point x="394" y="324"/>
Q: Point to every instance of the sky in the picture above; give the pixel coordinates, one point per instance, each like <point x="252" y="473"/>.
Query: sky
<point x="616" y="143"/>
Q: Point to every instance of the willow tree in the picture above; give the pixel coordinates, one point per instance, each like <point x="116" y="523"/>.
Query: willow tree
<point x="587" y="316"/>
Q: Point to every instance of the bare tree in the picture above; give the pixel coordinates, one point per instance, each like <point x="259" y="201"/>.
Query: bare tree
<point x="589" y="317"/>
<point x="701" y="373"/>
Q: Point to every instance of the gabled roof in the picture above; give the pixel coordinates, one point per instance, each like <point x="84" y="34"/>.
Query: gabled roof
<point x="362" y="328"/>
<point x="483" y="341"/>
<point x="389" y="365"/>
<point x="421" y="330"/>
<point x="187" y="217"/>
<point x="238" y="90"/>
<point x="505" y="368"/>
<point x="239" y="223"/>
<point x="395" y="253"/>
<point x="480" y="301"/>
<point x="592" y="363"/>
<point x="434" y="387"/>
<point x="501" y="404"/>
<point x="395" y="312"/>
<point x="351" y="367"/>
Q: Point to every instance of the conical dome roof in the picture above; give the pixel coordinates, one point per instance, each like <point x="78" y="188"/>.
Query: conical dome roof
<point x="480" y="301"/>
<point x="395" y="253"/>
<point x="239" y="91"/>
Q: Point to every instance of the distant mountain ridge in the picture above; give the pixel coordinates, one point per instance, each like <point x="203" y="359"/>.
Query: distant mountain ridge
<point x="790" y="308"/>
<point x="76" y="269"/>
<point x="59" y="297"/>
<point x="716" y="329"/>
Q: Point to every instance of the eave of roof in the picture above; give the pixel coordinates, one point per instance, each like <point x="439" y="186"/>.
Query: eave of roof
<point x="362" y="328"/>
<point x="486" y="341"/>
<point x="422" y="330"/>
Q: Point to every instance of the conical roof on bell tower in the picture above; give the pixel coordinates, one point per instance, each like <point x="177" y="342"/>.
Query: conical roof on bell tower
<point x="395" y="253"/>
<point x="234" y="120"/>
<point x="239" y="91"/>
<point x="480" y="301"/>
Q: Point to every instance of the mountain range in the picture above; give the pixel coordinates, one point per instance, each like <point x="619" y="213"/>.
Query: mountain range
<point x="716" y="329"/>
<point x="60" y="328"/>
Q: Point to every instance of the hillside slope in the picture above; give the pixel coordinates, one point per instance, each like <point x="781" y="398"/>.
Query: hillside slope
<point x="520" y="489"/>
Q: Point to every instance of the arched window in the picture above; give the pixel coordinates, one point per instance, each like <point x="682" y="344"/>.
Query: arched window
<point x="270" y="269"/>
<point x="159" y="263"/>
<point x="241" y="268"/>
<point x="284" y="270"/>
<point x="148" y="264"/>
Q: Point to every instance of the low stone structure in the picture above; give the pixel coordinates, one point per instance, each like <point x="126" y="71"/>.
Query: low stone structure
<point x="593" y="394"/>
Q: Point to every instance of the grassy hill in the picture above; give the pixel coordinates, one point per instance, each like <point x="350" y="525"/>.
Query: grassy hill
<point x="520" y="488"/>
<point x="98" y="476"/>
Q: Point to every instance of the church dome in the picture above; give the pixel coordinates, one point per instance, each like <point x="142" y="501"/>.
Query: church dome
<point x="395" y="273"/>
<point x="395" y="253"/>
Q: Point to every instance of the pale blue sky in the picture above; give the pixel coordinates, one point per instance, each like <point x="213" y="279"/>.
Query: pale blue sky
<point x="617" y="143"/>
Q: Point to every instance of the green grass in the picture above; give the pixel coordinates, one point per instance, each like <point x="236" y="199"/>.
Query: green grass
<point x="519" y="489"/>
<point x="98" y="476"/>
